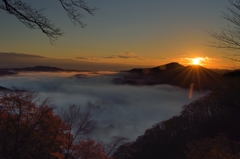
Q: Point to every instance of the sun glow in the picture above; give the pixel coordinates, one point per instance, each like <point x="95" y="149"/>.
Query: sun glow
<point x="196" y="61"/>
<point x="200" y="61"/>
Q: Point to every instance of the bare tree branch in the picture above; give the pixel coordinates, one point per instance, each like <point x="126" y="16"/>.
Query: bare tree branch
<point x="79" y="124"/>
<point x="229" y="37"/>
<point x="35" y="19"/>
<point x="116" y="141"/>
<point x="72" y="9"/>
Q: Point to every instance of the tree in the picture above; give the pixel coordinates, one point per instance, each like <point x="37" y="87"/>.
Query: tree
<point x="89" y="149"/>
<point x="79" y="124"/>
<point x="229" y="37"/>
<point x="124" y="151"/>
<point x="28" y="127"/>
<point x="113" y="145"/>
<point x="219" y="147"/>
<point x="35" y="19"/>
<point x="201" y="120"/>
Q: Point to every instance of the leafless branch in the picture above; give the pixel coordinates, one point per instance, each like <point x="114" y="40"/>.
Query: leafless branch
<point x="79" y="124"/>
<point x="35" y="19"/>
<point x="116" y="141"/>
<point x="229" y="37"/>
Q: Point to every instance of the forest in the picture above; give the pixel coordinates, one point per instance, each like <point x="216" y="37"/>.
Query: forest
<point x="29" y="128"/>
<point x="208" y="128"/>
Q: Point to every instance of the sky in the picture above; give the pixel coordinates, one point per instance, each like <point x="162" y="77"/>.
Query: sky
<point x="120" y="110"/>
<point x="131" y="33"/>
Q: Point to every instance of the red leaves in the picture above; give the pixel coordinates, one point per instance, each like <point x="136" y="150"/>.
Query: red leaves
<point x="30" y="129"/>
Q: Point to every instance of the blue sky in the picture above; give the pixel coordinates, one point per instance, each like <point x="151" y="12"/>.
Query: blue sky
<point x="139" y="32"/>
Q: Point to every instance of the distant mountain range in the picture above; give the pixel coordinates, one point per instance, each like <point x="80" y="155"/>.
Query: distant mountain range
<point x="9" y="71"/>
<point x="12" y="71"/>
<point x="197" y="77"/>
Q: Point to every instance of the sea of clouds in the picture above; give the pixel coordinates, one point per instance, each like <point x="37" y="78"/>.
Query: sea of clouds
<point x="120" y="110"/>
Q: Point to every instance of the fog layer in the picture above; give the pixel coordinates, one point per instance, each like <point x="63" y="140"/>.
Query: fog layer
<point x="120" y="110"/>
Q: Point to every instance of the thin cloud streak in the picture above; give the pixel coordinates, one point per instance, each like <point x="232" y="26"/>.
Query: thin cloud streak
<point x="120" y="110"/>
<point x="87" y="58"/>
<point x="10" y="55"/>
<point x="125" y="55"/>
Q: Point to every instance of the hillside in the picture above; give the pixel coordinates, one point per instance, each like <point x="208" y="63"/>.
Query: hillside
<point x="4" y="89"/>
<point x="198" y="77"/>
<point x="206" y="128"/>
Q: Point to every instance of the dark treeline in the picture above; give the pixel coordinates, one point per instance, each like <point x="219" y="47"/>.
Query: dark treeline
<point x="205" y="129"/>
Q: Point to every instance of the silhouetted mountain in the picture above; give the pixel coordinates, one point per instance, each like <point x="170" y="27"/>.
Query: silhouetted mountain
<point x="40" y="69"/>
<point x="235" y="73"/>
<point x="4" y="89"/>
<point x="232" y="78"/>
<point x="6" y="72"/>
<point x="10" y="71"/>
<point x="169" y="66"/>
<point x="197" y="77"/>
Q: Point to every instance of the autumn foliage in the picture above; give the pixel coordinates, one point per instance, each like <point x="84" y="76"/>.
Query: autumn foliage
<point x="29" y="129"/>
<point x="89" y="149"/>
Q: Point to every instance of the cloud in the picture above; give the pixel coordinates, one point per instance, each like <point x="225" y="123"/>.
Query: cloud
<point x="120" y="110"/>
<point x="234" y="54"/>
<point x="18" y="55"/>
<point x="87" y="58"/>
<point x="125" y="55"/>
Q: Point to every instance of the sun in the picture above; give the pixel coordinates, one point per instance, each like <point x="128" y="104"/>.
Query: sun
<point x="196" y="61"/>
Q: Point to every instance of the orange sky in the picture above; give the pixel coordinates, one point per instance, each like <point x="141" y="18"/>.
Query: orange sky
<point x="146" y="33"/>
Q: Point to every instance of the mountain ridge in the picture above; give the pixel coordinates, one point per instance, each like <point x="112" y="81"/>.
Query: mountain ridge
<point x="198" y="77"/>
<point x="195" y="76"/>
<point x="13" y="71"/>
